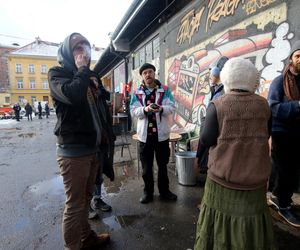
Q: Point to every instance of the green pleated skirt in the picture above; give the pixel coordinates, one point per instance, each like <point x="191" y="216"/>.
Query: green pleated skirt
<point x="234" y="220"/>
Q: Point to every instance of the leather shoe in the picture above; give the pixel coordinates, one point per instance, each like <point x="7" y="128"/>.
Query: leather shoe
<point x="146" y="198"/>
<point x="95" y="240"/>
<point x="168" y="196"/>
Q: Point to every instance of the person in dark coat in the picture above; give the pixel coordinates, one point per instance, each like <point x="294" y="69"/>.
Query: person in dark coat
<point x="28" y="109"/>
<point x="40" y="110"/>
<point x="17" y="109"/>
<point x="47" y="110"/>
<point x="217" y="90"/>
<point x="284" y="100"/>
<point x="84" y="137"/>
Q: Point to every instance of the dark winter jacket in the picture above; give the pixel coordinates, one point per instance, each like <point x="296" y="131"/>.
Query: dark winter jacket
<point x="218" y="91"/>
<point x="202" y="151"/>
<point x="40" y="108"/>
<point x="17" y="108"/>
<point x="285" y="114"/>
<point x="47" y="109"/>
<point x="28" y="109"/>
<point x="68" y="89"/>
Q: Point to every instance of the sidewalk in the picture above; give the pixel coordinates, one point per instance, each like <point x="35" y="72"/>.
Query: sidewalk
<point x="160" y="225"/>
<point x="32" y="209"/>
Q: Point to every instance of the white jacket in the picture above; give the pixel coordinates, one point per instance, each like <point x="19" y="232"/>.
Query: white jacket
<point x="137" y="105"/>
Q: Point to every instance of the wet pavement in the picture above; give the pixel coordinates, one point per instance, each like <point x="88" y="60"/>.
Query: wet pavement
<point x="32" y="199"/>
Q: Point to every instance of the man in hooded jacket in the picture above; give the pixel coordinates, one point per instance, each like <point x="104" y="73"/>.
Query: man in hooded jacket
<point x="84" y="137"/>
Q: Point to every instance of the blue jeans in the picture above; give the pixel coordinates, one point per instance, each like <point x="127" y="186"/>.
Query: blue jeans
<point x="99" y="179"/>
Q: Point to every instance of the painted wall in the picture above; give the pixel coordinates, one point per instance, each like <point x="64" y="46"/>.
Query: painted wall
<point x="260" y="30"/>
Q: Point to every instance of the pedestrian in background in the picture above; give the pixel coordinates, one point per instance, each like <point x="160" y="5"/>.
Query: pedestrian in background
<point x="152" y="103"/>
<point x="47" y="110"/>
<point x="40" y="110"/>
<point x="217" y="90"/>
<point x="28" y="109"/>
<point x="17" y="109"/>
<point x="234" y="212"/>
<point x="284" y="100"/>
<point x="81" y="121"/>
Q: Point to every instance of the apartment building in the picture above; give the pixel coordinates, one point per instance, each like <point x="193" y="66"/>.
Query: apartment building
<point x="4" y="76"/>
<point x="28" y="68"/>
<point x="28" y="71"/>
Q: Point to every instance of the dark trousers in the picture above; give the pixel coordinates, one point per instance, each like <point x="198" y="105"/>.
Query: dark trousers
<point x="162" y="154"/>
<point x="17" y="113"/>
<point x="285" y="172"/>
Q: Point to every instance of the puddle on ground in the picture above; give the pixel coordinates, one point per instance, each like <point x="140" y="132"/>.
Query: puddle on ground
<point x="53" y="186"/>
<point x="6" y="137"/>
<point x="122" y="172"/>
<point x="28" y="135"/>
<point x="23" y="223"/>
<point x="117" y="222"/>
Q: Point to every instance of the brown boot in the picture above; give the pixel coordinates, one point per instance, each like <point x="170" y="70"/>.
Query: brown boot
<point x="95" y="240"/>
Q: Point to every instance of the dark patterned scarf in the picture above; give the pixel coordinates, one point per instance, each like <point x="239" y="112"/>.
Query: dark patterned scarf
<point x="105" y="137"/>
<point x="91" y="97"/>
<point x="289" y="83"/>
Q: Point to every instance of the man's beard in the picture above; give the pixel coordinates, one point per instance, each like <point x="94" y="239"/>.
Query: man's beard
<point x="149" y="81"/>
<point x="296" y="67"/>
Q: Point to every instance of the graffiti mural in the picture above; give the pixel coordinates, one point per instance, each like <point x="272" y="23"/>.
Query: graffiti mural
<point x="216" y="9"/>
<point x="263" y="38"/>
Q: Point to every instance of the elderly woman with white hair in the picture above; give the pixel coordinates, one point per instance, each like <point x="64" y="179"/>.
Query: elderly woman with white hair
<point x="234" y="212"/>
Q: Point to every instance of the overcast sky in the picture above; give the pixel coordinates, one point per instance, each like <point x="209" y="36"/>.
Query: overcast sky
<point x="52" y="20"/>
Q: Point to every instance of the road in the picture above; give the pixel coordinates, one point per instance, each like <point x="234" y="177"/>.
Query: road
<point x="31" y="194"/>
<point x="32" y="199"/>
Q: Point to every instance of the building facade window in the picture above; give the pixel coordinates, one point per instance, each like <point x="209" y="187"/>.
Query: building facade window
<point x="156" y="49"/>
<point x="147" y="53"/>
<point x="142" y="56"/>
<point x="32" y="84"/>
<point x="45" y="84"/>
<point x="136" y="60"/>
<point x="46" y="98"/>
<point x="31" y="68"/>
<point x="119" y="77"/>
<point x="43" y="69"/>
<point x="7" y="99"/>
<point x="33" y="99"/>
<point x="20" y="84"/>
<point x="21" y="99"/>
<point x="18" y="68"/>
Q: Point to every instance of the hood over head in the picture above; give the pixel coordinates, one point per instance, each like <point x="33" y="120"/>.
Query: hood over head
<point x="65" y="52"/>
<point x="215" y="71"/>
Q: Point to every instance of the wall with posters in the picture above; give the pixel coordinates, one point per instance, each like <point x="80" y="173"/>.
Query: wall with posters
<point x="260" y="30"/>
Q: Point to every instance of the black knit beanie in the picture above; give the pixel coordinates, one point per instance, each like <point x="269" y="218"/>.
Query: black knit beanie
<point x="146" y="66"/>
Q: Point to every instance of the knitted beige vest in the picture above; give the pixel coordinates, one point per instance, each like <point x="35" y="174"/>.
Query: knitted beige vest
<point x="240" y="159"/>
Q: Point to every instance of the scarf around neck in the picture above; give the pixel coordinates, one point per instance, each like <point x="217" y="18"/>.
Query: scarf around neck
<point x="290" y="87"/>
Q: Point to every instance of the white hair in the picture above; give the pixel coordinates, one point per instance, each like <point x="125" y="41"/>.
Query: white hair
<point x="239" y="73"/>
